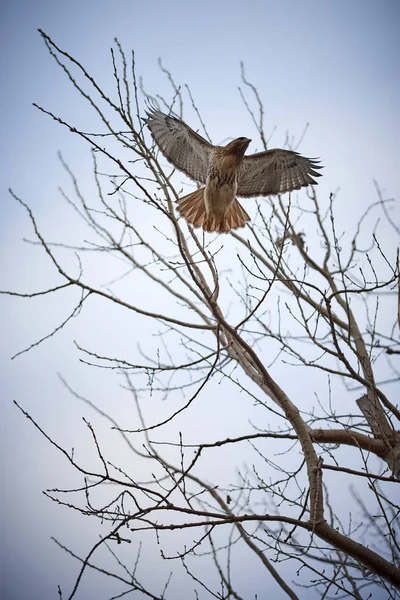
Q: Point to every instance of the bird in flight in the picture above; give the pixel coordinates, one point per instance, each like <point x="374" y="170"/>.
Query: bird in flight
<point x="225" y="172"/>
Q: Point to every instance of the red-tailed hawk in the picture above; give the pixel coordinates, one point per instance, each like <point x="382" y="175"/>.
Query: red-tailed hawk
<point x="226" y="172"/>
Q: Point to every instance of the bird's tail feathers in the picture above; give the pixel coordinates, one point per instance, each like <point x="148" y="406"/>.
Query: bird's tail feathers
<point x="193" y="209"/>
<point x="234" y="218"/>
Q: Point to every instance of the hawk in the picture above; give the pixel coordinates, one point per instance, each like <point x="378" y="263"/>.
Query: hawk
<point x="225" y="172"/>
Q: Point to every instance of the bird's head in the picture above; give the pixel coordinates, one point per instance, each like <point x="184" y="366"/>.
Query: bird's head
<point x="238" y="146"/>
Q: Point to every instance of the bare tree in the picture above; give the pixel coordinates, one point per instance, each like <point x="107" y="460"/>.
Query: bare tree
<point x="290" y="290"/>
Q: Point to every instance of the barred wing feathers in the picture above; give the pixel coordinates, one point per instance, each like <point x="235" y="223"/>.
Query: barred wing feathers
<point x="184" y="148"/>
<point x="275" y="172"/>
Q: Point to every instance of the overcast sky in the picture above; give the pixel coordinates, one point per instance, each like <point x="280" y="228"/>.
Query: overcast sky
<point x="334" y="65"/>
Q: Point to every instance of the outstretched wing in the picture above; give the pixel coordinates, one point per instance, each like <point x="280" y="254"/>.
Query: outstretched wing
<point x="183" y="147"/>
<point x="275" y="172"/>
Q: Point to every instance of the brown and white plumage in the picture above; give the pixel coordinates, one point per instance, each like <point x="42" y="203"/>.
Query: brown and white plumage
<point x="226" y="172"/>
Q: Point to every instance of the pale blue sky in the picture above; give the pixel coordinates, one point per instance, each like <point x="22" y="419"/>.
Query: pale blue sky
<point x="334" y="64"/>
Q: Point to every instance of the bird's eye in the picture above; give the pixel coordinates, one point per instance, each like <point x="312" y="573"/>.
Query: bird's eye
<point x="241" y="138"/>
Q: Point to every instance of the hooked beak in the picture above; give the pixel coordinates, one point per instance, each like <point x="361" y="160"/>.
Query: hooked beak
<point x="246" y="143"/>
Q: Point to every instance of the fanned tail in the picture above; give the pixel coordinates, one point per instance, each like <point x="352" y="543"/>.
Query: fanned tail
<point x="192" y="207"/>
<point x="234" y="218"/>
